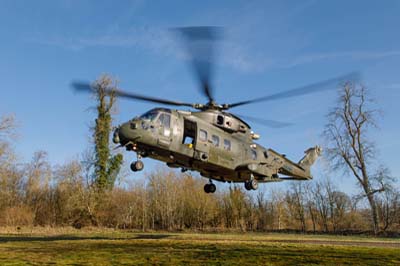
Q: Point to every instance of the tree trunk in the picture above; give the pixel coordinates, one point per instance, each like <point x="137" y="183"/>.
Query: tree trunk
<point x="374" y="210"/>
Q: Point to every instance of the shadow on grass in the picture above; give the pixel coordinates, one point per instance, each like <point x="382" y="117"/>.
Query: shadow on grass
<point x="150" y="236"/>
<point x="4" y="239"/>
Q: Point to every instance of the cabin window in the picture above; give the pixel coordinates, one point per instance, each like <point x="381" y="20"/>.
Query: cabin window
<point x="165" y="120"/>
<point x="254" y="154"/>
<point x="203" y="135"/>
<point x="266" y="154"/>
<point x="215" y="140"/>
<point x="227" y="144"/>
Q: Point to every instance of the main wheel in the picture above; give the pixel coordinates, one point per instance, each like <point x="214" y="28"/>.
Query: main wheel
<point x="212" y="188"/>
<point x="253" y="184"/>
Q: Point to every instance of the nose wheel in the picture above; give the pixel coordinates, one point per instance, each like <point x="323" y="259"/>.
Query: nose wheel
<point x="251" y="184"/>
<point x="137" y="166"/>
<point x="210" y="188"/>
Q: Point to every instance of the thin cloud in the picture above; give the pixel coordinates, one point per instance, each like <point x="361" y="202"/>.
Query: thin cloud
<point x="233" y="54"/>
<point x="158" y="41"/>
<point x="356" y="55"/>
<point x="154" y="39"/>
<point x="392" y="86"/>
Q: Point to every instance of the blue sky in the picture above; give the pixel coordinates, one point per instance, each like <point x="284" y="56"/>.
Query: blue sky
<point x="269" y="46"/>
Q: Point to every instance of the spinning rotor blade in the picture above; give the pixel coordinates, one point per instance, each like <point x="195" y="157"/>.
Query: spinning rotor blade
<point x="87" y="87"/>
<point x="316" y="87"/>
<point x="266" y="122"/>
<point x="200" y="44"/>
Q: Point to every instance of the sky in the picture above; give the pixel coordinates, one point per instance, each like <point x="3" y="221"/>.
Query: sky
<point x="268" y="46"/>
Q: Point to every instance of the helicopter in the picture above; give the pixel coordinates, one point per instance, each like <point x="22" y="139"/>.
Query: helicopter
<point x="210" y="140"/>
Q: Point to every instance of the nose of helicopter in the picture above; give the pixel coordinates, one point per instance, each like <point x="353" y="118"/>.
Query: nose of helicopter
<point x="125" y="133"/>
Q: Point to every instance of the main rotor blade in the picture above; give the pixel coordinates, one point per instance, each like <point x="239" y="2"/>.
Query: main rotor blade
<point x="316" y="87"/>
<point x="200" y="44"/>
<point x="265" y="122"/>
<point x="87" y="87"/>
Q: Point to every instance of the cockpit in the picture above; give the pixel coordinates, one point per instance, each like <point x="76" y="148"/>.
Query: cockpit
<point x="150" y="115"/>
<point x="158" y="115"/>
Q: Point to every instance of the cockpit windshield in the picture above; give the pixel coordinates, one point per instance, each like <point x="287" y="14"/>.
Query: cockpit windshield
<point x="150" y="115"/>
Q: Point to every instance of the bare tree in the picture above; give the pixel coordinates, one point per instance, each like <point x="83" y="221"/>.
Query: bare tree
<point x="389" y="209"/>
<point x="7" y="125"/>
<point x="37" y="187"/>
<point x="7" y="131"/>
<point x="322" y="204"/>
<point x="277" y="209"/>
<point x="311" y="205"/>
<point x="388" y="202"/>
<point x="296" y="203"/>
<point x="349" y="146"/>
<point x="70" y="195"/>
<point x="11" y="178"/>
<point x="340" y="207"/>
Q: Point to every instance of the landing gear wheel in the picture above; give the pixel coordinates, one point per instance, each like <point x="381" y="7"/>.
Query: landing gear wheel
<point x="210" y="188"/>
<point x="253" y="184"/>
<point x="247" y="185"/>
<point x="137" y="166"/>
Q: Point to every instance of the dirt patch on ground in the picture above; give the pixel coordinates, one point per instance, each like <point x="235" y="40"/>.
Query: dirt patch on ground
<point x="354" y="243"/>
<point x="342" y="243"/>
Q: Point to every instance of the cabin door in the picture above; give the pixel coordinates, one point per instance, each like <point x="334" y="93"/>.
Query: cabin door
<point x="202" y="147"/>
<point x="188" y="138"/>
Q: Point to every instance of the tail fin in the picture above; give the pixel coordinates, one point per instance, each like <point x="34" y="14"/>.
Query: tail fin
<point x="311" y="156"/>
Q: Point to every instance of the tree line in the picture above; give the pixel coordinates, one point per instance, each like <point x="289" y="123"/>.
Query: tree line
<point x="38" y="194"/>
<point x="83" y="192"/>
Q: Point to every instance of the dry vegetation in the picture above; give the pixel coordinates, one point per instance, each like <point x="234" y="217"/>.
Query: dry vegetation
<point x="38" y="195"/>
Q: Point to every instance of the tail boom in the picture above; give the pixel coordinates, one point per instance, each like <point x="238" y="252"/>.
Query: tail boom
<point x="300" y="170"/>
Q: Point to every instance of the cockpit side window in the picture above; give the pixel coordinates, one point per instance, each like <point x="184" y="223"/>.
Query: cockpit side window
<point x="150" y="115"/>
<point x="165" y="120"/>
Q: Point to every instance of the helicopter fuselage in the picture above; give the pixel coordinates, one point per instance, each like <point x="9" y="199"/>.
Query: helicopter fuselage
<point x="219" y="145"/>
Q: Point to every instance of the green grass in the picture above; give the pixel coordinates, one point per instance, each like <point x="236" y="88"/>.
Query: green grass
<point x="124" y="248"/>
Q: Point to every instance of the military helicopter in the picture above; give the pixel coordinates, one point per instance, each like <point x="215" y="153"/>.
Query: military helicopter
<point x="209" y="139"/>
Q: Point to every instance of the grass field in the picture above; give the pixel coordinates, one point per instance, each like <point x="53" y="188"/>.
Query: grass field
<point x="126" y="248"/>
